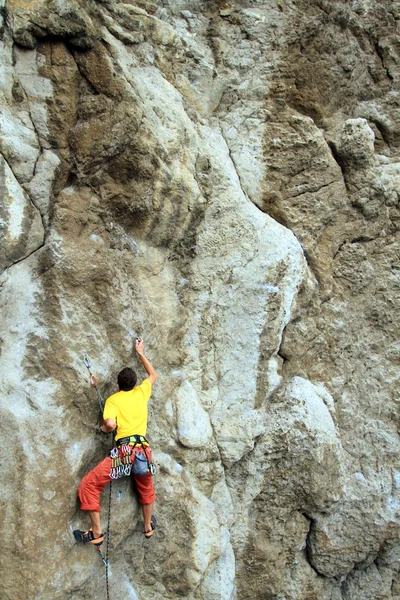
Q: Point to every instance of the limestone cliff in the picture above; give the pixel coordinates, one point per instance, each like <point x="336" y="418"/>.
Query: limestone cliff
<point x="222" y="179"/>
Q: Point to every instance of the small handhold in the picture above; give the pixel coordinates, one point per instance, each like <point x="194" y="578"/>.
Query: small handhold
<point x="226" y="10"/>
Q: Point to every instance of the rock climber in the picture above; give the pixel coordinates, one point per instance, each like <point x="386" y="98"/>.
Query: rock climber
<point x="125" y="411"/>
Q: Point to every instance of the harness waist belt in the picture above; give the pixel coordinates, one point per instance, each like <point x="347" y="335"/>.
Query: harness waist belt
<point x="135" y="439"/>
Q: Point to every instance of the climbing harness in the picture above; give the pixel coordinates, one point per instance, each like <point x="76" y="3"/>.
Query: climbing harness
<point x="139" y="440"/>
<point x="127" y="458"/>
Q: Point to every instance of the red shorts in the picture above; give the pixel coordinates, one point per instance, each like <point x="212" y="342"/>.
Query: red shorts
<point x="96" y="480"/>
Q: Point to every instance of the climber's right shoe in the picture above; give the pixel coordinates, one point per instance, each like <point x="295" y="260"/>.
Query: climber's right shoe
<point x="153" y="525"/>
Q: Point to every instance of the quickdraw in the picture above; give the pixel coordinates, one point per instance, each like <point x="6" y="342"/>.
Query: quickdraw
<point x="121" y="461"/>
<point x="126" y="451"/>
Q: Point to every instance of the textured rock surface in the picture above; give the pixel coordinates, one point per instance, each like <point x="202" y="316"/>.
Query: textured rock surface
<point x="223" y="179"/>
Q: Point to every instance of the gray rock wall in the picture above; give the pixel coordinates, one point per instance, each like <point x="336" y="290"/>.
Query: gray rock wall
<point x="224" y="180"/>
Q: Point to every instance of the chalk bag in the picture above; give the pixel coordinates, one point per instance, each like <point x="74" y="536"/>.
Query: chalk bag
<point x="140" y="464"/>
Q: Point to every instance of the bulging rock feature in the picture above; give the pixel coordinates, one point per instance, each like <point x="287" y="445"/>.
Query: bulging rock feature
<point x="44" y="18"/>
<point x="356" y="145"/>
<point x="193" y="423"/>
<point x="308" y="426"/>
<point x="222" y="180"/>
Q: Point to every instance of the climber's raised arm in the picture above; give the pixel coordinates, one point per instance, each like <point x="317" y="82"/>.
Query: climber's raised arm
<point x="152" y="375"/>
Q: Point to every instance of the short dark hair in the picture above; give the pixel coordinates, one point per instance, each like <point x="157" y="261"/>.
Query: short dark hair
<point x="127" y="379"/>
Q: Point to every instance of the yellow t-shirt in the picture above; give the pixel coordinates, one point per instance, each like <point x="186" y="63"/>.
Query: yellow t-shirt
<point x="129" y="410"/>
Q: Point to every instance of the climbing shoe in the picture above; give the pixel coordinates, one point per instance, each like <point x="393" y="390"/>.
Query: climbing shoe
<point x="86" y="537"/>
<point x="153" y="525"/>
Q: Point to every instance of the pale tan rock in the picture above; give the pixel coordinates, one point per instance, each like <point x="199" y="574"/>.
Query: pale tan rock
<point x="19" y="144"/>
<point x="193" y="423"/>
<point x="22" y="229"/>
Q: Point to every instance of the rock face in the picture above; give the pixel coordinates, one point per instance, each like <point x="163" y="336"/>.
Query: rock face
<point x="224" y="180"/>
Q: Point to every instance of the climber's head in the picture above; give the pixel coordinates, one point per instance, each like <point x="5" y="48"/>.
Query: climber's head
<point x="127" y="379"/>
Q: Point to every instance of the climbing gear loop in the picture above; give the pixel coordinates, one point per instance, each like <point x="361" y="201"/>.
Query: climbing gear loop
<point x="116" y="465"/>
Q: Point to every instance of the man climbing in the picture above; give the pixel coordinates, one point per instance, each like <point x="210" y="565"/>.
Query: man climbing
<point x="125" y="411"/>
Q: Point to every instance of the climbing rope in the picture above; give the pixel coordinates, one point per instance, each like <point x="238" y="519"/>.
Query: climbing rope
<point x="108" y="541"/>
<point x="94" y="383"/>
